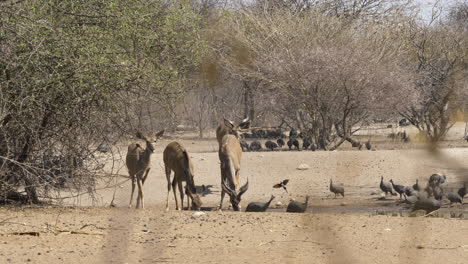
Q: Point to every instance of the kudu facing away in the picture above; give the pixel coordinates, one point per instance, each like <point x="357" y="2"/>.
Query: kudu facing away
<point x="176" y="159"/>
<point x="138" y="162"/>
<point x="230" y="153"/>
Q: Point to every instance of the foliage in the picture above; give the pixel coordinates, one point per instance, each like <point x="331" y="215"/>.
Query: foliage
<point x="69" y="68"/>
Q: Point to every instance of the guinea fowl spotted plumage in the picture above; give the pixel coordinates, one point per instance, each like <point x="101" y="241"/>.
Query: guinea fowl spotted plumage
<point x="409" y="191"/>
<point x="271" y="145"/>
<point x="400" y="189"/>
<point x="292" y="142"/>
<point x="437" y="179"/>
<point x="280" y="142"/>
<point x="297" y="207"/>
<point x="259" y="207"/>
<point x="438" y="192"/>
<point x="336" y="189"/>
<point x="386" y="187"/>
<point x="454" y="197"/>
<point x="410" y="199"/>
<point x="426" y="204"/>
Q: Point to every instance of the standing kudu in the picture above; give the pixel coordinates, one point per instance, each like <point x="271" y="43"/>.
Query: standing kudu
<point x="176" y="159"/>
<point x="230" y="153"/>
<point x="138" y="162"/>
<point x="228" y="127"/>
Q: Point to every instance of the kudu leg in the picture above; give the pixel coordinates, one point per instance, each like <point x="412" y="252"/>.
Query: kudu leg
<point x="133" y="189"/>
<point x="174" y="190"/>
<point x="146" y="175"/>
<point x="222" y="197"/>
<point x="181" y="191"/>
<point x="188" y="198"/>
<point x="168" y="177"/>
<point x="140" y="197"/>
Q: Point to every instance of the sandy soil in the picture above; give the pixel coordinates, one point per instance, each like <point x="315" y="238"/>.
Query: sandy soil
<point x="350" y="232"/>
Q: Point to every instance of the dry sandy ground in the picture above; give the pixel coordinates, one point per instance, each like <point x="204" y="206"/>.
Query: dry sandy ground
<point x="350" y="232"/>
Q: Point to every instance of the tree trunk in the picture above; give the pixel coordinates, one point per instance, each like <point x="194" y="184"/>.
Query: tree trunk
<point x="249" y="100"/>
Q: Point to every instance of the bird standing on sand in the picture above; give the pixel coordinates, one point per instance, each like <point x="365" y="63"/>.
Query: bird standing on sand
<point x="336" y="189"/>
<point x="259" y="207"/>
<point x="386" y="187"/>
<point x="400" y="189"/>
<point x="297" y="207"/>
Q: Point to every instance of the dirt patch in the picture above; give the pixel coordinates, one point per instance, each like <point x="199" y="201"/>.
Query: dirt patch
<point x="346" y="230"/>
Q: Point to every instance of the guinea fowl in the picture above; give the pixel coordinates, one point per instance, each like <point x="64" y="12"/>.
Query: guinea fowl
<point x="336" y="189"/>
<point x="410" y="199"/>
<point x="386" y="187"/>
<point x="462" y="191"/>
<point x="427" y="205"/>
<point x="368" y="145"/>
<point x="454" y="198"/>
<point x="297" y="207"/>
<point x="438" y="192"/>
<point x="259" y="207"/>
<point x="400" y="189"/>
<point x="293" y="142"/>
<point x="409" y="191"/>
<point x="416" y="186"/>
<point x="437" y="179"/>
<point x="280" y="142"/>
<point x="271" y="145"/>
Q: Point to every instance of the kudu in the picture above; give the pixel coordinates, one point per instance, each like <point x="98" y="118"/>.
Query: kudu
<point x="228" y="127"/>
<point x="176" y="159"/>
<point x="230" y="153"/>
<point x="138" y="162"/>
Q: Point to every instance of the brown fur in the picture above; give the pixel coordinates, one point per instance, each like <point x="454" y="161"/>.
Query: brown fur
<point x="138" y="161"/>
<point x="176" y="159"/>
<point x="230" y="154"/>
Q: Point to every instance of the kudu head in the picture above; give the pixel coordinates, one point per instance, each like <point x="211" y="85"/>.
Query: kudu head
<point x="233" y="129"/>
<point x="190" y="188"/>
<point x="235" y="197"/>
<point x="196" y="197"/>
<point x="150" y="141"/>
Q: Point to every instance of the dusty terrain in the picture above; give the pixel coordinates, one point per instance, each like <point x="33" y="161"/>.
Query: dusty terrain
<point x="356" y="229"/>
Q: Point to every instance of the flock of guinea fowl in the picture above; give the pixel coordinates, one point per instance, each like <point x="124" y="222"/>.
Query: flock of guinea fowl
<point x="177" y="160"/>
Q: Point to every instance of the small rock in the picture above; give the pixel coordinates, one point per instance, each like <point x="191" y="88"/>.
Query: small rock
<point x="197" y="214"/>
<point x="303" y="167"/>
<point x="343" y="204"/>
<point x="279" y="203"/>
<point x="373" y="193"/>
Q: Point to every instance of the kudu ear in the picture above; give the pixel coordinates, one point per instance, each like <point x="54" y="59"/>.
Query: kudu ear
<point x="140" y="136"/>
<point x="160" y="134"/>
<point x="243" y="189"/>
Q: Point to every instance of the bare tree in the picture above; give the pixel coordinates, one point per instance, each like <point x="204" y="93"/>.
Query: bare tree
<point x="438" y="57"/>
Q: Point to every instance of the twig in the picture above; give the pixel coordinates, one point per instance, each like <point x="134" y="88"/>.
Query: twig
<point x="32" y="233"/>
<point x="431" y="213"/>
<point x="296" y="240"/>
<point x="5" y="221"/>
